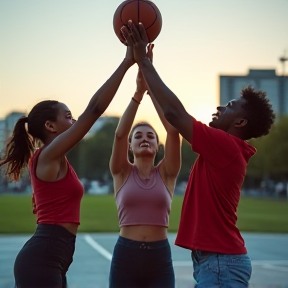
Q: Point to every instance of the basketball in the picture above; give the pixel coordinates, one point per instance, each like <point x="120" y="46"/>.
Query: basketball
<point x="142" y="11"/>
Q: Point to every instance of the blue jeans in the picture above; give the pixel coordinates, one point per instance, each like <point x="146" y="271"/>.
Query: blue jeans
<point x="141" y="265"/>
<point x="221" y="270"/>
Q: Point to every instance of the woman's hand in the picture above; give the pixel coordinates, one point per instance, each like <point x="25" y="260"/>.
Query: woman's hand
<point x="141" y="84"/>
<point x="150" y="51"/>
<point x="129" y="57"/>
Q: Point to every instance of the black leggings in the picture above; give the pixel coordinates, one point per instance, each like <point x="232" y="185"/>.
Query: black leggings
<point x="45" y="258"/>
<point x="141" y="265"/>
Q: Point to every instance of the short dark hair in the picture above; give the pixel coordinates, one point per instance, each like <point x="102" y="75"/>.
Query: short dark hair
<point x="258" y="111"/>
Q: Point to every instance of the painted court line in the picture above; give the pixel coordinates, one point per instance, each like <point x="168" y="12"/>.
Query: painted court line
<point x="277" y="268"/>
<point x="106" y="254"/>
<point x="268" y="264"/>
<point x="98" y="247"/>
<point x="272" y="262"/>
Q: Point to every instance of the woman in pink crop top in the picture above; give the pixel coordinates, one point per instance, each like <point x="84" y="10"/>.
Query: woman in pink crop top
<point x="45" y="258"/>
<point x="143" y="192"/>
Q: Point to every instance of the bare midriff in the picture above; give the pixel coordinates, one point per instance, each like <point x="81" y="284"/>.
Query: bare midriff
<point x="71" y="227"/>
<point x="146" y="233"/>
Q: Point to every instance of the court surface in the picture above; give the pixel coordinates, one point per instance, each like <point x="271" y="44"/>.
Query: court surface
<point x="90" y="269"/>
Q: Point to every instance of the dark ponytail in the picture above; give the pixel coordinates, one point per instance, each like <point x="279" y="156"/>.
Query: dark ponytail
<point x="18" y="150"/>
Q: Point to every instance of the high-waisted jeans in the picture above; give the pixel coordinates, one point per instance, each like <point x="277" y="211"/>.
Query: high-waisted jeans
<point x="141" y="265"/>
<point x="45" y="258"/>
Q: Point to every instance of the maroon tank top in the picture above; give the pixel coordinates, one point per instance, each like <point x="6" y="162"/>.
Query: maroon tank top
<point x="143" y="202"/>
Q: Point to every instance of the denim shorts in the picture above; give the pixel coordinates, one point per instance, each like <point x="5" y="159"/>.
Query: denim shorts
<point x="138" y="264"/>
<point x="221" y="270"/>
<point x="45" y="258"/>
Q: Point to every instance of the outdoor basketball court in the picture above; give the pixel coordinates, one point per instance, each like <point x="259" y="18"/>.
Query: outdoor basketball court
<point x="92" y="257"/>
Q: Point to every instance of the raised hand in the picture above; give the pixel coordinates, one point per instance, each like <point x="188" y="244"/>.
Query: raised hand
<point x="150" y="51"/>
<point x="136" y="38"/>
<point x="141" y="84"/>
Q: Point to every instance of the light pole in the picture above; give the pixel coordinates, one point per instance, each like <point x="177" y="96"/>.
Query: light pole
<point x="282" y="95"/>
<point x="283" y="59"/>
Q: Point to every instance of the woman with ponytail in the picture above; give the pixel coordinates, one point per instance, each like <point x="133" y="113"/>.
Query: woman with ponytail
<point x="46" y="256"/>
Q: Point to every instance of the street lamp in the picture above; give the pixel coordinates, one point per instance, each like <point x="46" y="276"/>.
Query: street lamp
<point x="283" y="59"/>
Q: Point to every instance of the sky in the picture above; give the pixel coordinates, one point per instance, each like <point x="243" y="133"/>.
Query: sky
<point x="66" y="49"/>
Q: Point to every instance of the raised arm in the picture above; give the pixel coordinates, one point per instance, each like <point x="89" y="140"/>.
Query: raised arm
<point x="172" y="108"/>
<point x="171" y="163"/>
<point x="119" y="162"/>
<point x="95" y="108"/>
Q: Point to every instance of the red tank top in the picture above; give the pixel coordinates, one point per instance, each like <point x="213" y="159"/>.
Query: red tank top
<point x="58" y="201"/>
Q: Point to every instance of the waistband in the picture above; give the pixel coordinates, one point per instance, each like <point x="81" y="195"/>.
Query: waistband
<point x="198" y="254"/>
<point x="201" y="253"/>
<point x="143" y="244"/>
<point x="54" y="231"/>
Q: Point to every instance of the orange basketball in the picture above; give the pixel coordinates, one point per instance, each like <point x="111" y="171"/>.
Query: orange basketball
<point x="142" y="11"/>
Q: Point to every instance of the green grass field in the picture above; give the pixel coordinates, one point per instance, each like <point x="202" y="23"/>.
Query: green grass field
<point x="98" y="214"/>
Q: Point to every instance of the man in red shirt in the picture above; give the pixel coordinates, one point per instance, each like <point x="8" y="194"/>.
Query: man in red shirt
<point x="208" y="219"/>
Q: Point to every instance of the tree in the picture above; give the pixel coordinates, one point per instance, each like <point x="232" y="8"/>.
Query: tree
<point x="75" y="156"/>
<point x="188" y="159"/>
<point x="270" y="159"/>
<point x="97" y="152"/>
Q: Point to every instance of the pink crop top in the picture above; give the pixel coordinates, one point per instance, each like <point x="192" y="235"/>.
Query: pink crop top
<point x="143" y="203"/>
<point x="58" y="201"/>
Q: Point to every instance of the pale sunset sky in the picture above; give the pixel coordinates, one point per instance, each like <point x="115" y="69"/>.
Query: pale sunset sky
<point x="66" y="49"/>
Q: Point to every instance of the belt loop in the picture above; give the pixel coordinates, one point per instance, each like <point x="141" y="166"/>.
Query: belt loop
<point x="198" y="255"/>
<point x="195" y="255"/>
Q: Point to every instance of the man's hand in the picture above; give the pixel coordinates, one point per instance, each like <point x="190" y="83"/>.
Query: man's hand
<point x="136" y="38"/>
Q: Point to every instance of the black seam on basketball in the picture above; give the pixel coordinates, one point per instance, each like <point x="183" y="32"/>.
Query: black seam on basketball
<point x="155" y="17"/>
<point x="138" y="11"/>
<point x="121" y="15"/>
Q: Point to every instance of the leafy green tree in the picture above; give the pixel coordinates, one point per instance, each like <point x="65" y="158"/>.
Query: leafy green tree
<point x="90" y="157"/>
<point x="188" y="159"/>
<point x="277" y="148"/>
<point x="270" y="159"/>
<point x="160" y="154"/>
<point x="75" y="157"/>
<point x="97" y="152"/>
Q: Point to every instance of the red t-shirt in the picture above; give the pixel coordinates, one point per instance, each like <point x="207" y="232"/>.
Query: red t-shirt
<point x="208" y="217"/>
<point x="58" y="201"/>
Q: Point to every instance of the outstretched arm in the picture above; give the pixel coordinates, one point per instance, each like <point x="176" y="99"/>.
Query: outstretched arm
<point x="95" y="108"/>
<point x="171" y="163"/>
<point x="119" y="159"/>
<point x="172" y="154"/>
<point x="172" y="108"/>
